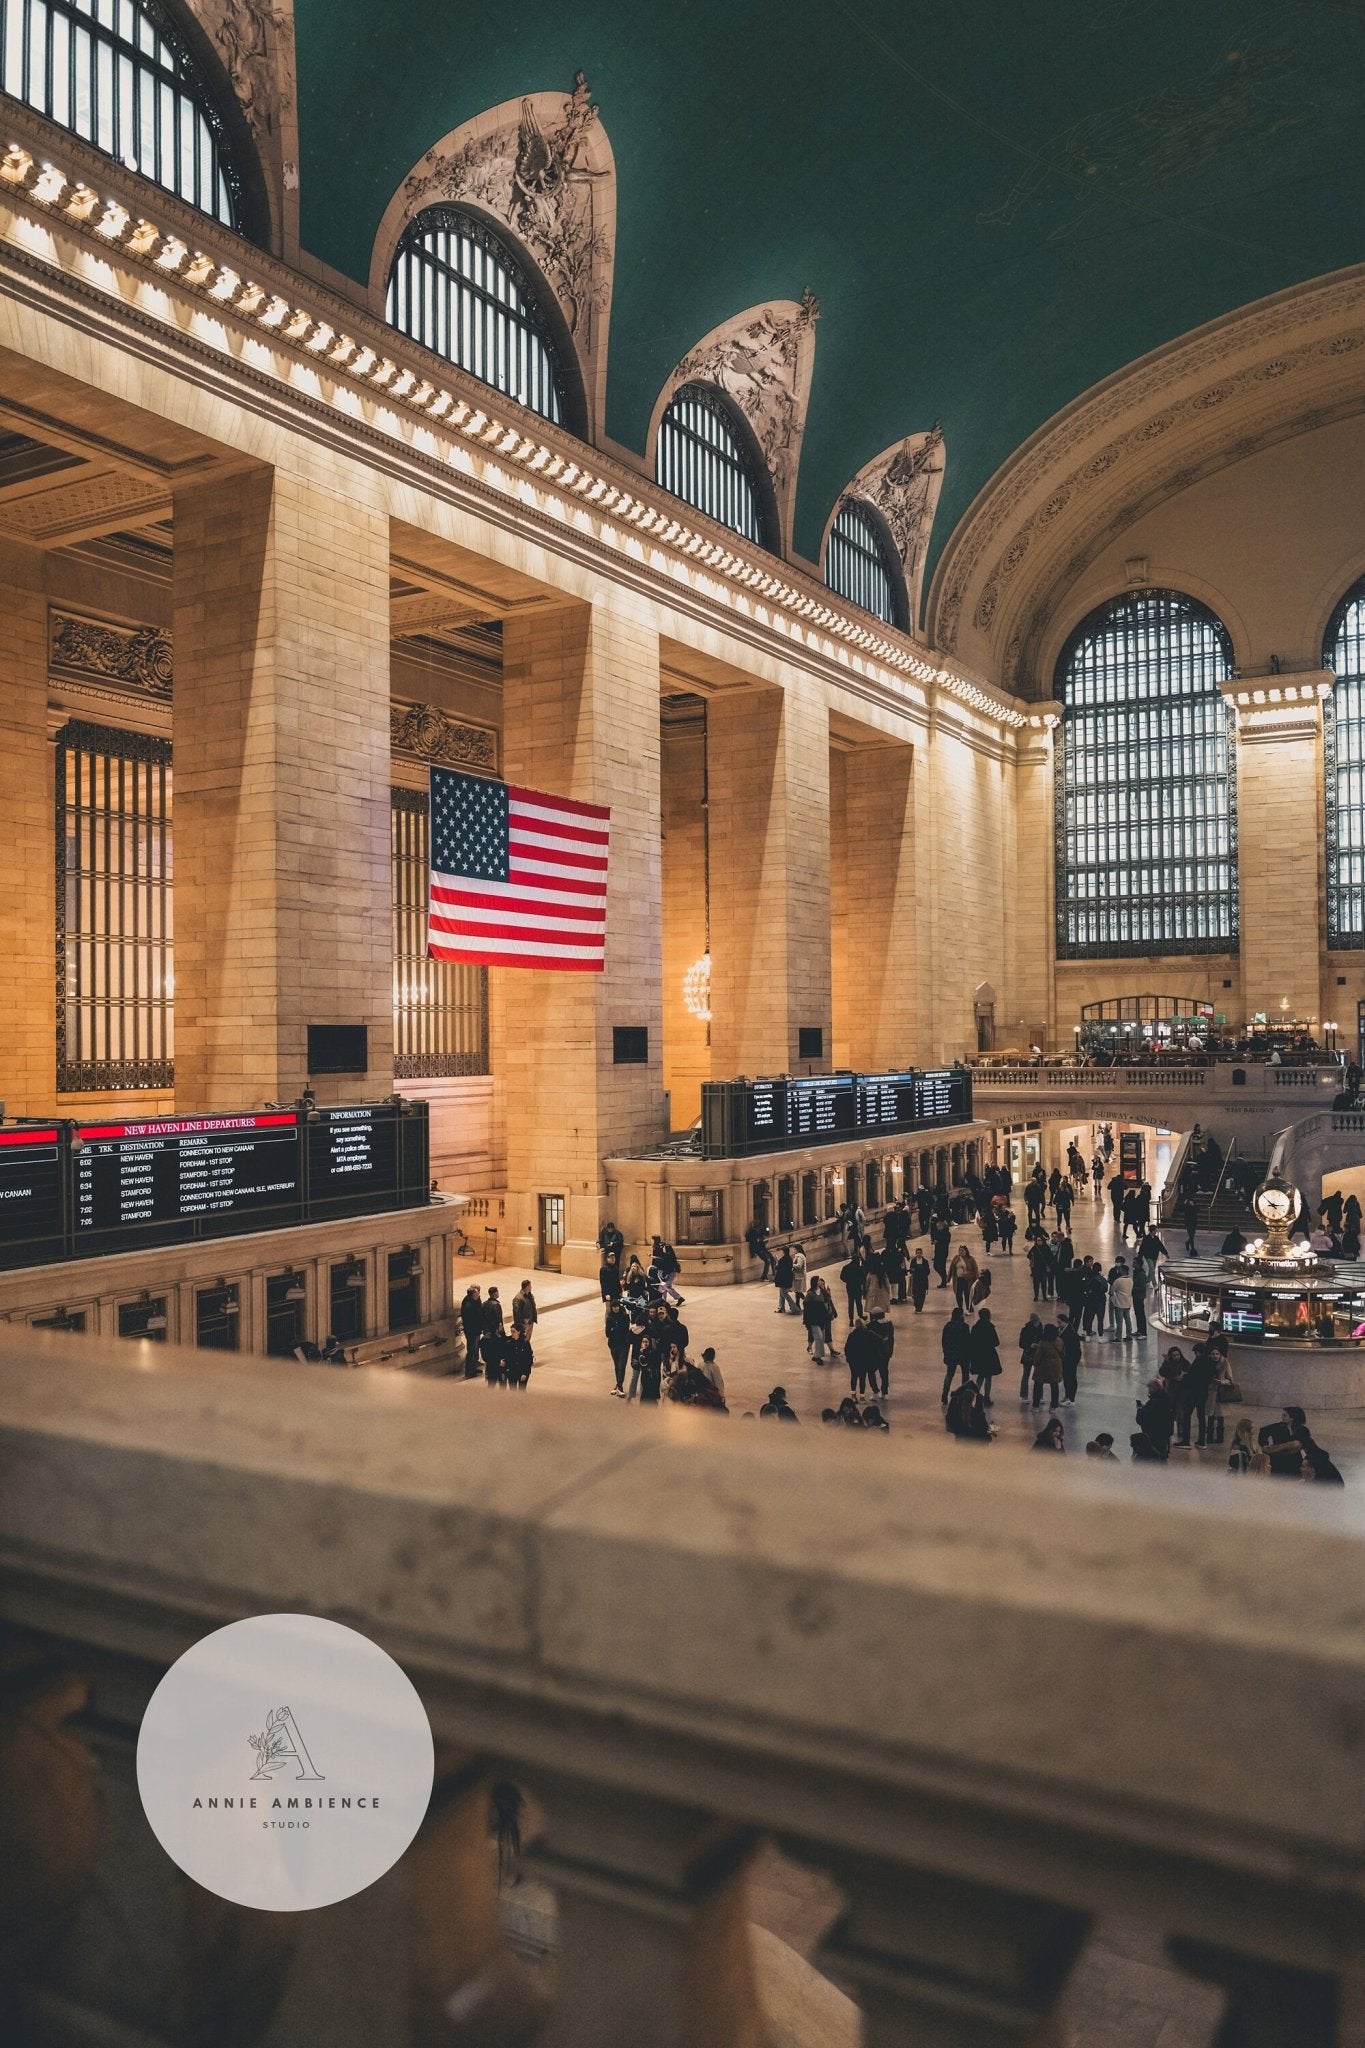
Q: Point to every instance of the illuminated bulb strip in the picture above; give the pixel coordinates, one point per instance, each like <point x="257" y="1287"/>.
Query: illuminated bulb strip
<point x="44" y="185"/>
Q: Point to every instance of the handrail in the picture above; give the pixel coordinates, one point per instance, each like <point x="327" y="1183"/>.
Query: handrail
<point x="773" y="1669"/>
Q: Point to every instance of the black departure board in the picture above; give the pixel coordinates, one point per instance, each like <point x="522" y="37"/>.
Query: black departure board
<point x="352" y="1160"/>
<point x="173" y="1178"/>
<point x="789" y="1113"/>
<point x="31" y="1208"/>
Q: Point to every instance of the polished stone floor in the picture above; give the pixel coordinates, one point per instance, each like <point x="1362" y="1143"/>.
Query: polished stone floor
<point x="758" y="1349"/>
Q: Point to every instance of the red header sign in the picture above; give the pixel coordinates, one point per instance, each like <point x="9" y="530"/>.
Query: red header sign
<point x="191" y="1126"/>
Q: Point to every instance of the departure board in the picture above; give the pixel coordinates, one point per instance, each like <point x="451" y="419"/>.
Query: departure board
<point x="352" y="1160"/>
<point x="789" y="1113"/>
<point x="180" y="1177"/>
<point x="31" y="1162"/>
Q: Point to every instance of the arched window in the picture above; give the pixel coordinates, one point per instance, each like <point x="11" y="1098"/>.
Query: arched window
<point x="1146" y="799"/>
<point x="116" y="73"/>
<point x="457" y="288"/>
<point x="860" y="566"/>
<point x="1343" y="651"/>
<point x="701" y="457"/>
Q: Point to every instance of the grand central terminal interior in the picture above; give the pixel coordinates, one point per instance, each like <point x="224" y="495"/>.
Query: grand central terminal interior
<point x="663" y="668"/>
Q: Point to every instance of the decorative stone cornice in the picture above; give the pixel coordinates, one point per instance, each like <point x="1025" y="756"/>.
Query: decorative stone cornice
<point x="1282" y="366"/>
<point x="159" y="269"/>
<point x="426" y="733"/>
<point x="86" y="648"/>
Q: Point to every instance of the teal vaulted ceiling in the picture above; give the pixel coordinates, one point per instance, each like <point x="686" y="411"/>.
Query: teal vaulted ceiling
<point x="997" y="202"/>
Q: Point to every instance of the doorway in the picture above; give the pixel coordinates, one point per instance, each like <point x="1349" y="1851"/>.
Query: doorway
<point x="551" y="1252"/>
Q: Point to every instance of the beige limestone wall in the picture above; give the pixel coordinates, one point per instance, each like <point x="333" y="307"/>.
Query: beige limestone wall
<point x="770" y="864"/>
<point x="873" y="926"/>
<point x="1282" y="874"/>
<point x="281" y="734"/>
<point x="28" y="1026"/>
<point x="840" y="896"/>
<point x="965" y="889"/>
<point x="581" y="719"/>
<point x="686" y="1039"/>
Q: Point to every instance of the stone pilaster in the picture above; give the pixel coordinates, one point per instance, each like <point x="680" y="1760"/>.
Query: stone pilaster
<point x="770" y="881"/>
<point x="874" y="909"/>
<point x="282" y="890"/>
<point x="1030" y="1017"/>
<point x="1279" y="818"/>
<point x="687" y="1045"/>
<point x="581" y="720"/>
<point x="28" y="1023"/>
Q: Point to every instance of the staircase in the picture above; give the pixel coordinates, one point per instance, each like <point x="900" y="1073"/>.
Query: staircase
<point x="1229" y="1205"/>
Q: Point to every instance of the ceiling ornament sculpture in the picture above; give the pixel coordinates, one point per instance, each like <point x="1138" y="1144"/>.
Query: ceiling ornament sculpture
<point x="763" y="361"/>
<point x="902" y="485"/>
<point x="254" y="40"/>
<point x="541" y="167"/>
<point x="137" y="657"/>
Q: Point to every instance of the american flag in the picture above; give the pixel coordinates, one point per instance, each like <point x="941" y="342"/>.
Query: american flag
<point x="518" y="879"/>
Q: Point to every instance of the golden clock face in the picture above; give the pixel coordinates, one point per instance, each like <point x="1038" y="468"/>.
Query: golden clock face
<point x="1274" y="1205"/>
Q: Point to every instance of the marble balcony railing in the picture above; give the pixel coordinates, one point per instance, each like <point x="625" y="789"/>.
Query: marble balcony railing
<point x="992" y="1696"/>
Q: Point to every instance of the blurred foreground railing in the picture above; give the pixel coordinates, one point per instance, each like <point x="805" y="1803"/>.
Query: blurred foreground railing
<point x="994" y="1695"/>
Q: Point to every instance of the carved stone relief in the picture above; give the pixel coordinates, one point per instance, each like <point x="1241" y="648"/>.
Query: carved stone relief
<point x="762" y="360"/>
<point x="903" y="485"/>
<point x="138" y="657"/>
<point x="255" y="41"/>
<point x="542" y="167"/>
<point x="429" y="734"/>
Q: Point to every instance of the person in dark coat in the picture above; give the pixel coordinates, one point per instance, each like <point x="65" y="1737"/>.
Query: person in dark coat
<point x="1009" y="1223"/>
<point x="784" y="1280"/>
<point x="1042" y="1270"/>
<point x="1051" y="1437"/>
<point x="518" y="1358"/>
<point x="618" y="1344"/>
<point x="471" y="1326"/>
<point x="1156" y="1418"/>
<point x="1116" y="1192"/>
<point x="1196" y="1389"/>
<point x="942" y="1243"/>
<point x="1047" y="1365"/>
<point x="1283" y="1441"/>
<point x="862" y="1354"/>
<point x="854" y="1276"/>
<point x="966" y="1417"/>
<point x="919" y="1281"/>
<point x="1189" y="1216"/>
<point x="983" y="1341"/>
<point x="1029" y="1335"/>
<point x="1071" y="1360"/>
<point x="881" y="1343"/>
<point x="956" y="1345"/>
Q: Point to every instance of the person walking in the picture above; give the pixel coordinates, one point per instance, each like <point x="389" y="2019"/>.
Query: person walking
<point x="1141" y="1281"/>
<point x="1070" y="1340"/>
<point x="984" y="1353"/>
<point x="1029" y="1336"/>
<point x="861" y="1353"/>
<point x="756" y="1237"/>
<point x="881" y="1342"/>
<point x="1042" y="1270"/>
<point x="956" y="1346"/>
<point x="942" y="1239"/>
<point x="963" y="1271"/>
<point x="1189" y="1216"/>
<point x="919" y="1280"/>
<point x="784" y="1280"/>
<point x="1009" y="1223"/>
<point x="800" y="1273"/>
<point x="1116" y="1192"/>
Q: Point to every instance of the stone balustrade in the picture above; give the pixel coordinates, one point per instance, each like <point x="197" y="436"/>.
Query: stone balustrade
<point x="992" y="1696"/>
<point x="1244" y="1099"/>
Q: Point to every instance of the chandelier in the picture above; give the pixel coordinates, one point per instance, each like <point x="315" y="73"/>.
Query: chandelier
<point x="697" y="989"/>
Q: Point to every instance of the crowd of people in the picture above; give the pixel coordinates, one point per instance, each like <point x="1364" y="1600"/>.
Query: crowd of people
<point x="1079" y="1300"/>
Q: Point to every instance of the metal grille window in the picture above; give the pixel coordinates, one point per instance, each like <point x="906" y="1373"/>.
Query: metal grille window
<point x="459" y="291"/>
<point x="115" y="978"/>
<point x="1146" y="793"/>
<point x="858" y="564"/>
<point x="440" y="1007"/>
<point x="701" y="459"/>
<point x="1343" y="651"/>
<point x="116" y="73"/>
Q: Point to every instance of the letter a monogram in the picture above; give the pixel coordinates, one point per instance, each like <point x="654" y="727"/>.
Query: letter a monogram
<point x="281" y="1743"/>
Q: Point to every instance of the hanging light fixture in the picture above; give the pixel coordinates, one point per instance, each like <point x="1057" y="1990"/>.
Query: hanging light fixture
<point x="697" y="989"/>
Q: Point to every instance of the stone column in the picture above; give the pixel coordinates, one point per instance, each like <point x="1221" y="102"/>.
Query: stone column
<point x="1279" y="831"/>
<point x="770" y="886"/>
<point x="28" y="1021"/>
<point x="581" y="720"/>
<point x="876" y="918"/>
<point x="687" y="1043"/>
<point x="1028" y="1015"/>
<point x="283" y="914"/>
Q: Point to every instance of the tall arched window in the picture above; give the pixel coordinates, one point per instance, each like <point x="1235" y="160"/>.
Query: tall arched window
<point x="116" y="73"/>
<point x="860" y="566"/>
<point x="701" y="457"/>
<point x="457" y="288"/>
<point x="1146" y="796"/>
<point x="1343" y="651"/>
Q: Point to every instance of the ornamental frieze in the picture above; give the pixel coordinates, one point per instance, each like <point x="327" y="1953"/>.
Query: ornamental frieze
<point x="137" y="657"/>
<point x="429" y="734"/>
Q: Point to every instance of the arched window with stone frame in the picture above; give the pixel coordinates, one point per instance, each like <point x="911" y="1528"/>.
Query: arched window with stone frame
<point x="861" y="563"/>
<point x="126" y="77"/>
<point x="705" y="454"/>
<point x="460" y="288"/>
<point x="1146" y="796"/>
